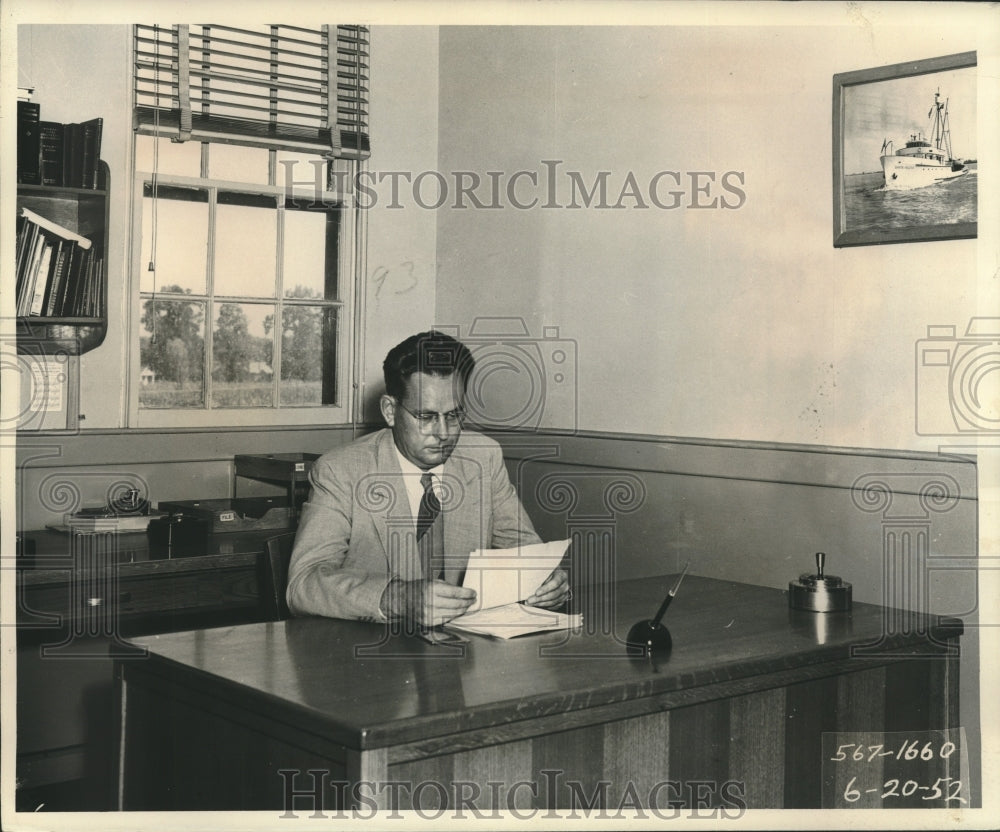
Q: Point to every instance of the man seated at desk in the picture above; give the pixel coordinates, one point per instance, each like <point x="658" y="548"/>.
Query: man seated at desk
<point x="392" y="517"/>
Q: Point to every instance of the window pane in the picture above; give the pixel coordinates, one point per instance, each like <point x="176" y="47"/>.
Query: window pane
<point x="242" y="353"/>
<point x="233" y="163"/>
<point x="166" y="157"/>
<point x="176" y="222"/>
<point x="304" y="173"/>
<point x="308" y="356"/>
<point x="309" y="261"/>
<point x="172" y="354"/>
<point x="246" y="245"/>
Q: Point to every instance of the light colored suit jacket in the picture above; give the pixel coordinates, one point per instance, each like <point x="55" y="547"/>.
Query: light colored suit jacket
<point x="357" y="532"/>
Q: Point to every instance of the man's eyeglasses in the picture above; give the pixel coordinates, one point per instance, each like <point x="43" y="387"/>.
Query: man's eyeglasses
<point x="427" y="419"/>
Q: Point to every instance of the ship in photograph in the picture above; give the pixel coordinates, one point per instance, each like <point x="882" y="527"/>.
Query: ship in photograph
<point x="922" y="162"/>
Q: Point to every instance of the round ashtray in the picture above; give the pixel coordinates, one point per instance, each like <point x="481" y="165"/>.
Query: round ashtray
<point x="819" y="593"/>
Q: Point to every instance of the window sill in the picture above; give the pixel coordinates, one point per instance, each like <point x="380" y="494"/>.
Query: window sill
<point x="230" y="418"/>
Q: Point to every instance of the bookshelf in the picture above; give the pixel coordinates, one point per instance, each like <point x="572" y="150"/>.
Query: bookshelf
<point x="85" y="212"/>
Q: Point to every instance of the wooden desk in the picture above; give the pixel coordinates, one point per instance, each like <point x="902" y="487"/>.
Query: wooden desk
<point x="78" y="598"/>
<point x="209" y="718"/>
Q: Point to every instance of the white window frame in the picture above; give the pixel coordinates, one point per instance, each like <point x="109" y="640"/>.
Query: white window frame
<point x="350" y="270"/>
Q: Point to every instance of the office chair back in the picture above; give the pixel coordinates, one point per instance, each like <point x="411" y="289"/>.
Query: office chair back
<point x="274" y="580"/>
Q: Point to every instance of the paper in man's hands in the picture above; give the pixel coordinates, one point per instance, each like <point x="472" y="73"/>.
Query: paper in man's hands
<point x="506" y="576"/>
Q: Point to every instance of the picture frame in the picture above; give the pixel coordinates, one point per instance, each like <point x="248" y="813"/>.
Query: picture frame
<point x="925" y="192"/>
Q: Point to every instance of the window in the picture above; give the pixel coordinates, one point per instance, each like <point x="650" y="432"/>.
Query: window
<point x="245" y="259"/>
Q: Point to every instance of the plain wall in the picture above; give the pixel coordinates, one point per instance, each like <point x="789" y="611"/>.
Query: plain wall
<point x="401" y="246"/>
<point x="742" y="323"/>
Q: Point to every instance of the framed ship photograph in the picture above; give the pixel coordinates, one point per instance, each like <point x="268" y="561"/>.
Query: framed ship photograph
<point x="905" y="165"/>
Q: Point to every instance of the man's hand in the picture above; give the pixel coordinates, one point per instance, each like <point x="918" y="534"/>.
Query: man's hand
<point x="426" y="603"/>
<point x="553" y="592"/>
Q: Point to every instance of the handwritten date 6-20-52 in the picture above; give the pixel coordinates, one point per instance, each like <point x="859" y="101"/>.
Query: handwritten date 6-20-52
<point x="943" y="788"/>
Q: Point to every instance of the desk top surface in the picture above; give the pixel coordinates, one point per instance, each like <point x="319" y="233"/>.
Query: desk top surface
<point x="367" y="690"/>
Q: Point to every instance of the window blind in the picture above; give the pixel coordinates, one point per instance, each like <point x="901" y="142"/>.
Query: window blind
<point x="279" y="86"/>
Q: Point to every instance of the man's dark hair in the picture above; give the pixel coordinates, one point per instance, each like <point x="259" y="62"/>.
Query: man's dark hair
<point x="428" y="352"/>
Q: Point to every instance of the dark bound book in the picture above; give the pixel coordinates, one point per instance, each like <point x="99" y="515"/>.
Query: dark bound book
<point x="92" y="131"/>
<point x="27" y="142"/>
<point x="77" y="285"/>
<point x="24" y="230"/>
<point x="28" y="269"/>
<point x="58" y="276"/>
<point x="52" y="140"/>
<point x="72" y="156"/>
<point x="72" y="269"/>
<point x="91" y="296"/>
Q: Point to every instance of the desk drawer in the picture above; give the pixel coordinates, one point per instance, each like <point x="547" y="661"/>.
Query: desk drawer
<point x="193" y="591"/>
<point x="212" y="590"/>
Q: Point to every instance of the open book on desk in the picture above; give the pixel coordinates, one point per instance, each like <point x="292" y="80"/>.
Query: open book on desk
<point x="502" y="578"/>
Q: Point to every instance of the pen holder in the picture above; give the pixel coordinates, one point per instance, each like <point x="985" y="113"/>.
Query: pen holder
<point x="648" y="639"/>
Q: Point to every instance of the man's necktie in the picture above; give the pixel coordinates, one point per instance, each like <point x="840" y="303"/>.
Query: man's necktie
<point x="430" y="506"/>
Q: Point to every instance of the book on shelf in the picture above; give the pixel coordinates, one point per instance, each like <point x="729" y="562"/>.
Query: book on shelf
<point x="92" y="131"/>
<point x="28" y="142"/>
<point x="82" y="153"/>
<point x="93" y="308"/>
<point x="41" y="282"/>
<point x="72" y="156"/>
<point x="51" y="137"/>
<point x="86" y="290"/>
<point x="29" y="275"/>
<point x="25" y="243"/>
<point x="51" y="153"/>
<point x="63" y="250"/>
<point x="56" y="269"/>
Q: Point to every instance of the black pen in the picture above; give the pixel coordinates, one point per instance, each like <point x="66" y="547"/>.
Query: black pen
<point x="670" y="597"/>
